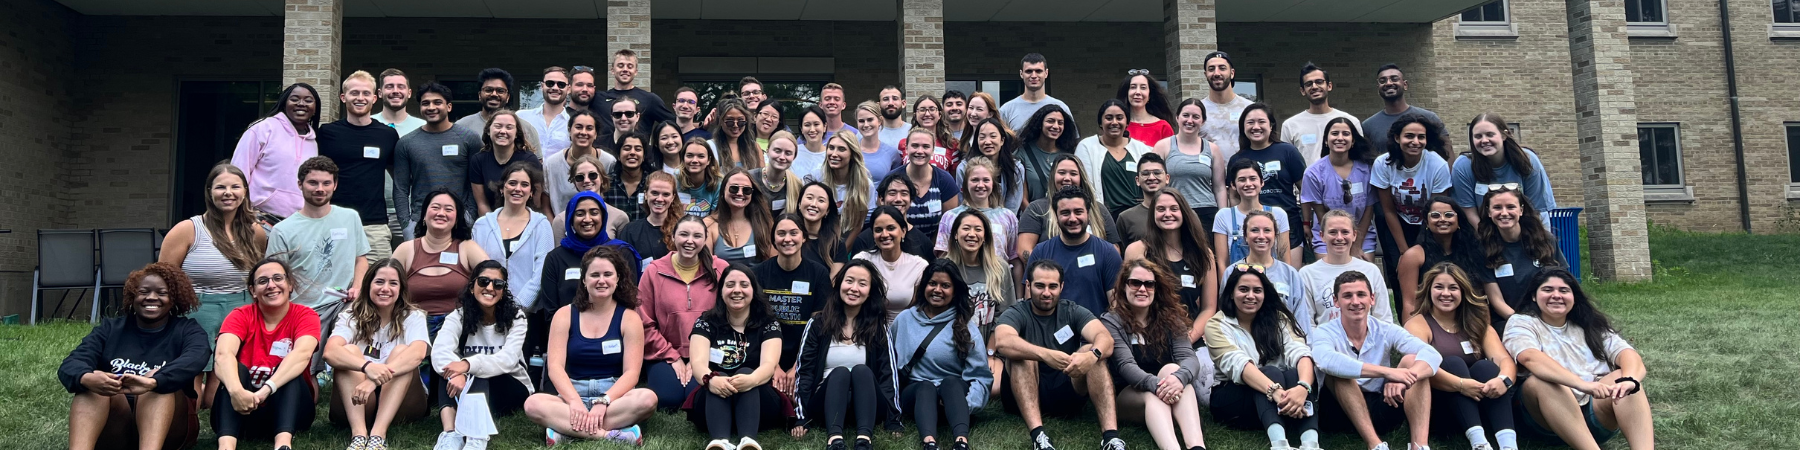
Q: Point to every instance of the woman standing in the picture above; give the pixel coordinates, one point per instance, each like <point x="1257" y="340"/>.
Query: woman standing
<point x="1260" y="238"/>
<point x="1340" y="181"/>
<point x="809" y="158"/>
<point x="1196" y="168"/>
<point x="741" y="340"/>
<point x="559" y="165"/>
<point x="271" y="151"/>
<point x="733" y="138"/>
<point x="938" y="371"/>
<point x="674" y="291"/>
<point x="739" y="226"/>
<point x="845" y="361"/>
<point x="502" y="147"/>
<point x="481" y="350"/>
<point x="1407" y="174"/>
<point x="899" y="269"/>
<point x="983" y="107"/>
<point x="1150" y="115"/>
<point x="560" y="281"/>
<point x="768" y="121"/>
<point x="1111" y="157"/>
<point x="849" y="180"/>
<point x="937" y="190"/>
<point x="1316" y="302"/>
<point x="1448" y="236"/>
<point x="217" y="247"/>
<point x="596" y="377"/>
<point x="1475" y="381"/>
<point x="376" y="347"/>
<point x="651" y="235"/>
<point x="629" y="176"/>
<point x="991" y="140"/>
<point x="1230" y="223"/>
<point x="819" y="221"/>
<point x="1498" y="160"/>
<point x="1037" y="223"/>
<point x="1046" y="134"/>
<point x="134" y="376"/>
<point x="980" y="191"/>
<point x="777" y="181"/>
<point x="700" y="183"/>
<point x="879" y="157"/>
<point x="668" y="146"/>
<point x="1265" y="369"/>
<point x="264" y="361"/>
<point x="517" y="233"/>
<point x="1178" y="244"/>
<point x="1516" y="245"/>
<point x="927" y="112"/>
<point x="1153" y="360"/>
<point x="1583" y="375"/>
<point x="1282" y="171"/>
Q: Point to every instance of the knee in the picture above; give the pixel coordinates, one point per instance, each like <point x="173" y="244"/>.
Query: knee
<point x="1274" y="373"/>
<point x="1484" y="370"/>
<point x="862" y="372"/>
<point x="1456" y="366"/>
<point x="1021" y="368"/>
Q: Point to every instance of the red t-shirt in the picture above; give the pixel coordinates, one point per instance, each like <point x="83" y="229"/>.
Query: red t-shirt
<point x="262" y="350"/>
<point x="1149" y="133"/>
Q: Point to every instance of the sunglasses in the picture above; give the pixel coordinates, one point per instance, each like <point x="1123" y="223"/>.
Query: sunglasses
<point x="1136" y="72"/>
<point x="735" y="122"/>
<point x="556" y="84"/>
<point x="740" y="189"/>
<point x="624" y="114"/>
<point x="1345" y="188"/>
<point x="1140" y="284"/>
<point x="580" y="177"/>
<point x="1247" y="267"/>
<point x="487" y="282"/>
<point x="1503" y="187"/>
<point x="1441" y="215"/>
<point x="583" y="69"/>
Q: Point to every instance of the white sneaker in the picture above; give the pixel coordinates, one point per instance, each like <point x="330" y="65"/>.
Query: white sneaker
<point x="1312" y="446"/>
<point x="475" y="444"/>
<point x="449" y="440"/>
<point x="1280" y="445"/>
<point x="1383" y="446"/>
<point x="748" y="444"/>
<point x="551" y="437"/>
<point x="720" y="444"/>
<point x="1482" y="447"/>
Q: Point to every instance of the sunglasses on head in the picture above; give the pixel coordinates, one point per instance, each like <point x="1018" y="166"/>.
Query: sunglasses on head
<point x="583" y="69"/>
<point x="1503" y="187"/>
<point x="487" y="282"/>
<point x="1247" y="267"/>
<point x="1136" y="72"/>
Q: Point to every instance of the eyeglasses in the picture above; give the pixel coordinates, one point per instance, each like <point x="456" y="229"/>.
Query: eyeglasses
<point x="624" y="114"/>
<point x="1247" y="267"/>
<point x="750" y="93"/>
<point x="271" y="279"/>
<point x="1134" y="283"/>
<point x="740" y="189"/>
<point x="1346" y="189"/>
<point x="1136" y="72"/>
<point x="555" y="84"/>
<point x="580" y="177"/>
<point x="486" y="282"/>
<point x="1150" y="173"/>
<point x="1503" y="187"/>
<point x="683" y="101"/>
<point x="493" y="90"/>
<point x="1441" y="215"/>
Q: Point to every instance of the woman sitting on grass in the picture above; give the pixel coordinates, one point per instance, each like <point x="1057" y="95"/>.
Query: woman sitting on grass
<point x="596" y="377"/>
<point x="950" y="373"/>
<point x="133" y="376"/>
<point x="845" y="367"/>
<point x="264" y="361"/>
<point x="1153" y="361"/>
<point x="481" y="350"/>
<point x="1585" y="383"/>
<point x="740" y="340"/>
<point x="1476" y="379"/>
<point x="376" y="348"/>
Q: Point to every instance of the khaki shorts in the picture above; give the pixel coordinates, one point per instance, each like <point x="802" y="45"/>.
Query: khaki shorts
<point x="381" y="242"/>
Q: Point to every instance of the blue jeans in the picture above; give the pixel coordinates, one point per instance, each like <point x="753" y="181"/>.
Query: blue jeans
<point x="591" y="390"/>
<point x="670" y="391"/>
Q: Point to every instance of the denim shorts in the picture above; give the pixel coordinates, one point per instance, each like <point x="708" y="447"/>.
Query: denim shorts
<point x="591" y="390"/>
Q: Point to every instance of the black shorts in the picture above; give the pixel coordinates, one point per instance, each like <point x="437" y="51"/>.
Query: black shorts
<point x="1056" y="395"/>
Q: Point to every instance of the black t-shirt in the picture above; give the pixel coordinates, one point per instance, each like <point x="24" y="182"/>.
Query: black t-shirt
<point x="1282" y="171"/>
<point x="1514" y="277"/>
<point x="795" y="296"/>
<point x="732" y="350"/>
<point x="915" y="243"/>
<point x="1060" y="331"/>
<point x="646" y="238"/>
<point x="485" y="171"/>
<point x="1189" y="285"/>
<point x="363" y="156"/>
<point x="651" y="108"/>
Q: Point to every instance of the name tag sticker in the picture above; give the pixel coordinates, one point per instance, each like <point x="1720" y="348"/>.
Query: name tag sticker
<point x="1187" y="281"/>
<point x="646" y="263"/>
<point x="1309" y="138"/>
<point x="1505" y="270"/>
<point x="801" y="287"/>
<point x="1206" y="159"/>
<point x="1085" y="260"/>
<point x="447" y="258"/>
<point x="611" y="347"/>
<point x="280" y="348"/>
<point x="1271" y="167"/>
<point x="1137" y="339"/>
<point x="1356" y="188"/>
<point x="686" y="198"/>
<point x="1281" y="288"/>
<point x="934" y="205"/>
<point x="1131" y="166"/>
<point x="640" y="198"/>
<point x="372" y="152"/>
<point x="717" y="356"/>
<point x="452" y="150"/>
<point x="338" y="234"/>
<point x="572" y="273"/>
<point x="513" y="246"/>
<point x="939" y="151"/>
<point x="1468" y="349"/>
<point x="750" y="250"/>
<point x="1063" y="335"/>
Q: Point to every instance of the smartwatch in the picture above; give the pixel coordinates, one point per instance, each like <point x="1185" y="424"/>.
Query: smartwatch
<point x="1508" y="381"/>
<point x="1096" y="353"/>
<point x="604" y="399"/>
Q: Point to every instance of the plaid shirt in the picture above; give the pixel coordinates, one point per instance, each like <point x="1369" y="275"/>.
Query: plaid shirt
<point x="616" y="196"/>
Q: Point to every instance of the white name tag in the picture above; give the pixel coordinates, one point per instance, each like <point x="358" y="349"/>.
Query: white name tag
<point x="1063" y="335"/>
<point x="934" y="205"/>
<point x="1505" y="270"/>
<point x="1084" y="260"/>
<point x="280" y="348"/>
<point x="513" y="246"/>
<point x="1468" y="349"/>
<point x="1356" y="188"/>
<point x="1271" y="167"/>
<point x="338" y="234"/>
<point x="572" y="273"/>
<point x="611" y="347"/>
<point x="1137" y="339"/>
<point x="452" y="150"/>
<point x="447" y="258"/>
<point x="1206" y="159"/>
<point x="640" y="198"/>
<point x="646" y="263"/>
<point x="1131" y="166"/>
<point x="1187" y="281"/>
<point x="717" y="356"/>
<point x="559" y="135"/>
<point x="1309" y="138"/>
<point x="1235" y="114"/>
<point x="801" y="287"/>
<point x="939" y="151"/>
<point x="686" y="198"/>
<point x="372" y="152"/>
<point x="750" y="250"/>
<point x="1281" y="288"/>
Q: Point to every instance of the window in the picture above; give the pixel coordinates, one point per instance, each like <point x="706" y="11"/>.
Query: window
<point x="1659" y="151"/>
<point x="1250" y="88"/>
<point x="1002" y="90"/>
<point x="1488" y="21"/>
<point x="1648" y="18"/>
<point x="1787" y="20"/>
<point x="1793" y="150"/>
<point x="210" y="117"/>
<point x="1494" y="11"/>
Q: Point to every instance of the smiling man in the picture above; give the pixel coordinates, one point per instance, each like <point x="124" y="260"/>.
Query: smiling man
<point x="363" y="150"/>
<point x="1222" y="103"/>
<point x="1152" y="177"/>
<point x="1092" y="262"/>
<point x="624" y="70"/>
<point x="1365" y="388"/>
<point x="432" y="158"/>
<point x="552" y="117"/>
<point x="323" y="246"/>
<point x="496" y="94"/>
<point x="395" y="91"/>
<point x="1391" y="83"/>
<point x="1307" y="128"/>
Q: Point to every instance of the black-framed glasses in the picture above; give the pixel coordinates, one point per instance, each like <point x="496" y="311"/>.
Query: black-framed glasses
<point x="493" y="282"/>
<point x="735" y="122"/>
<point x="556" y="84"/>
<point x="1136" y="72"/>
<point x="739" y="189"/>
<point x="624" y="114"/>
<point x="1134" y="283"/>
<point x="580" y="177"/>
<point x="751" y="92"/>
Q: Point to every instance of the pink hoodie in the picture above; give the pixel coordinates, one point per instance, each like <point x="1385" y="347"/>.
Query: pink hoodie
<point x="669" y="307"/>
<point x="270" y="153"/>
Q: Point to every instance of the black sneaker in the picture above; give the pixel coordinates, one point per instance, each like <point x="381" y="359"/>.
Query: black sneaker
<point x="836" y="445"/>
<point x="928" y="445"/>
<point x="1042" y="442"/>
<point x="863" y="443"/>
<point x="959" y="445"/>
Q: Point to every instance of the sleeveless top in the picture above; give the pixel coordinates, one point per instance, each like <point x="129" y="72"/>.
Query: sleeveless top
<point x="209" y="270"/>
<point x="439" y="294"/>
<point x="1191" y="175"/>
<point x="595" y="358"/>
<point x="745" y="254"/>
<point x="1451" y="344"/>
<point x="1188" y="284"/>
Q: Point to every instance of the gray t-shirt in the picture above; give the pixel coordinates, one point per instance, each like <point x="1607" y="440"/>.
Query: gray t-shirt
<point x="1018" y="111"/>
<point x="320" y="252"/>
<point x="425" y="161"/>
<point x="1060" y="331"/>
<point x="989" y="302"/>
<point x="895" y="137"/>
<point x="1378" y="125"/>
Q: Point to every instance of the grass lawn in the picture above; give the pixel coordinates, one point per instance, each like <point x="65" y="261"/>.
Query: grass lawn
<point x="1716" y="328"/>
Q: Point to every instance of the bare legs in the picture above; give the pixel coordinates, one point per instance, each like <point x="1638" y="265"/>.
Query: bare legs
<point x="1556" y="407"/>
<point x="1161" y="418"/>
<point x="92" y="416"/>
<point x="402" y="399"/>
<point x="551" y="412"/>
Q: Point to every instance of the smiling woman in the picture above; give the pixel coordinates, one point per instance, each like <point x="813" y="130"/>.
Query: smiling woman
<point x="139" y="369"/>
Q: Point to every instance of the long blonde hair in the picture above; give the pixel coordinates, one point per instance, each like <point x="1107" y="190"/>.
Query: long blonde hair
<point x="855" y="182"/>
<point x="791" y="182"/>
<point x="1471" y="313"/>
<point x="1098" y="227"/>
<point x="987" y="257"/>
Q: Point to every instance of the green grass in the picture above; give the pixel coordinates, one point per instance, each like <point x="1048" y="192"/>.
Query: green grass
<point x="1716" y="328"/>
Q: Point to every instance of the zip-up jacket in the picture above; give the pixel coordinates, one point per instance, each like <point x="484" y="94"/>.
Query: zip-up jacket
<point x="669" y="307"/>
<point x="811" y="373"/>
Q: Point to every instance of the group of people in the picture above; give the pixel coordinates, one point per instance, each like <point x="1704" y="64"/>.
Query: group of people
<point x="607" y="257"/>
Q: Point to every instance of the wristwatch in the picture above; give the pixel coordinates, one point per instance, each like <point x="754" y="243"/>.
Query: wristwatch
<point x="1096" y="353"/>
<point x="1508" y="381"/>
<point x="604" y="400"/>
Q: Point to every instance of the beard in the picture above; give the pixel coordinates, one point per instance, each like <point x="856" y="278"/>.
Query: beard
<point x="890" y="114"/>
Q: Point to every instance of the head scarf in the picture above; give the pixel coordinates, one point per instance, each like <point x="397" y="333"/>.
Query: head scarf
<point x="581" y="246"/>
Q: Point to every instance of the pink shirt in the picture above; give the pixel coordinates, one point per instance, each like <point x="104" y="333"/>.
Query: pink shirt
<point x="270" y="153"/>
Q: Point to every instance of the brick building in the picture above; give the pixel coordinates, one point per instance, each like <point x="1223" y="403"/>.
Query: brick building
<point x="109" y="107"/>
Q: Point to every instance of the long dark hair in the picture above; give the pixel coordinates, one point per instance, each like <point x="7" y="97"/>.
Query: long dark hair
<point x="1471" y="313"/>
<point x="1537" y="237"/>
<point x="959" y="301"/>
<point x="1594" y="324"/>
<point x="1004" y="160"/>
<point x="1274" y="126"/>
<point x="1167" y="316"/>
<point x="757" y="213"/>
<point x="1434" y="139"/>
<point x="655" y="144"/>
<point x="1100" y="116"/>
<point x="1157" y="104"/>
<point x="1034" y="129"/>
<point x="625" y="292"/>
<point x="748" y="155"/>
<point x="870" y="320"/>
<point x="1509" y="149"/>
<point x="1196" y="249"/>
<point x="760" y="311"/>
<point x="1464" y="249"/>
<point x="1265" y="328"/>
<point x="1360" y="149"/>
<point x="280" y="106"/>
<point x="505" y="310"/>
<point x="241" y="250"/>
<point x="366" y="316"/>
<point x="459" y="231"/>
<point x="829" y="234"/>
<point x="891" y="213"/>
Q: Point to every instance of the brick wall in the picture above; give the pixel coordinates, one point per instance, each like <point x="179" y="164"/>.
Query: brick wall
<point x="1349" y="52"/>
<point x="1768" y="98"/>
<point x="1682" y="80"/>
<point x="864" y="54"/>
<point x="36" y="68"/>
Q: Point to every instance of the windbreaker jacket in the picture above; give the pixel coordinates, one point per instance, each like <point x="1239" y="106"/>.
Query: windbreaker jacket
<point x="811" y="373"/>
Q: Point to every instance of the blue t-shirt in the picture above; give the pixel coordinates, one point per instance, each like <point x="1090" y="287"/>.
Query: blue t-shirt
<point x="928" y="209"/>
<point x="1536" y="187"/>
<point x="885" y="159"/>
<point x="1089" y="269"/>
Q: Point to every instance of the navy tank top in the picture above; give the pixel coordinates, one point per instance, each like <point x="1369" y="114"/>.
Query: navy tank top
<point x="595" y="358"/>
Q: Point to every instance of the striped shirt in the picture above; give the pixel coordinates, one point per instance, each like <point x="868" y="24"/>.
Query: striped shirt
<point x="210" y="270"/>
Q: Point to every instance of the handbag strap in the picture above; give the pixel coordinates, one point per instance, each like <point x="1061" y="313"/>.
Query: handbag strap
<point x="921" y="350"/>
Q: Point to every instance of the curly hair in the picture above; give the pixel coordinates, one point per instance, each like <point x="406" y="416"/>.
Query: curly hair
<point x="1167" y="316"/>
<point x="505" y="309"/>
<point x="366" y="316"/>
<point x="1434" y="138"/>
<point x="625" y="291"/>
<point x="182" y="298"/>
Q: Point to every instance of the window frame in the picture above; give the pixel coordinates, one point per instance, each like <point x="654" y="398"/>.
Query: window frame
<point x="1487" y="29"/>
<point x="1791" y="133"/>
<point x="1659" y="29"/>
<point x="1678" y="191"/>
<point x="1789" y="30"/>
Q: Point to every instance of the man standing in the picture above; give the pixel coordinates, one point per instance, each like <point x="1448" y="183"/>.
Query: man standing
<point x="624" y="73"/>
<point x="1391" y="83"/>
<point x="552" y="117"/>
<point x="1034" y="72"/>
<point x="956" y="114"/>
<point x="395" y="91"/>
<point x="1307" y="129"/>
<point x="894" y="127"/>
<point x="831" y="99"/>
<point x="1152" y="177"/>
<point x="363" y="151"/>
<point x="687" y="114"/>
<point x="1223" y="105"/>
<point x="1056" y="353"/>
<point x="751" y="91"/>
<point x="626" y="113"/>
<point x="581" y="89"/>
<point x="496" y="94"/>
<point x="434" y="158"/>
<point x="1093" y="263"/>
<point x="322" y="247"/>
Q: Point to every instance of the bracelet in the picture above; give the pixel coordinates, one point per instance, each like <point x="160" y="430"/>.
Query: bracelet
<point x="1271" y="392"/>
<point x="1635" y="384"/>
<point x="365" y="367"/>
<point x="1306" y="385"/>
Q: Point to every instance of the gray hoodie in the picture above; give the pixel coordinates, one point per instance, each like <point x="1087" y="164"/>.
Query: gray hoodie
<point x="940" y="358"/>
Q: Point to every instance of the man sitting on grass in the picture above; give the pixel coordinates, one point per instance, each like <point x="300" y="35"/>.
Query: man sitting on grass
<point x="1057" y="352"/>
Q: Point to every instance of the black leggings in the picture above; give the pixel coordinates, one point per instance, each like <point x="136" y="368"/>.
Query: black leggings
<point x="1239" y="406"/>
<point x="1455" y="410"/>
<point x="923" y="399"/>
<point x="289" y="410"/>
<point x="844" y="388"/>
<point x="745" y="412"/>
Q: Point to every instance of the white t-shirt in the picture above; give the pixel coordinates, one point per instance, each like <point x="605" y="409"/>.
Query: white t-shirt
<point x="1567" y="345"/>
<point x="1411" y="187"/>
<point x="1319" y="279"/>
<point x="1307" y="131"/>
<point x="808" y="166"/>
<point x="381" y="346"/>
<point x="844" y="355"/>
<point x="1221" y="126"/>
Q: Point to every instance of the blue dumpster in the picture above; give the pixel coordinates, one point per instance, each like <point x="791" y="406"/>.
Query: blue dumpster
<point x="1566" y="224"/>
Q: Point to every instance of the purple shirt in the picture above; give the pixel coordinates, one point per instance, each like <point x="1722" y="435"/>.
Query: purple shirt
<point x="270" y="153"/>
<point x="1322" y="185"/>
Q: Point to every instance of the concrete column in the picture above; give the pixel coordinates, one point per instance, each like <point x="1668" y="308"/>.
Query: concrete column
<point x="921" y="47"/>
<point x="312" y="48"/>
<point x="1606" y="130"/>
<point x="1190" y="31"/>
<point x="628" y="26"/>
